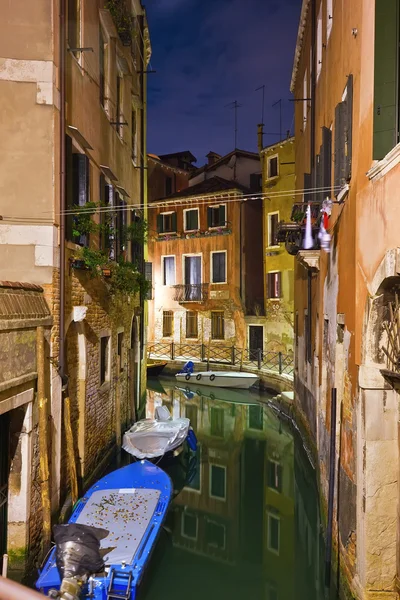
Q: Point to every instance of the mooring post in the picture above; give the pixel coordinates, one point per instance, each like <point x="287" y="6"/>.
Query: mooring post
<point x="331" y="493"/>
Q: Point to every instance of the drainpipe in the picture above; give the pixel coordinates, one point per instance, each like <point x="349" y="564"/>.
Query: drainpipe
<point x="313" y="87"/>
<point x="43" y="441"/>
<point x="61" y="360"/>
<point x="142" y="191"/>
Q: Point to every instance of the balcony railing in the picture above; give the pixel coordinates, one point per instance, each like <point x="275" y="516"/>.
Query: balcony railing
<point x="191" y="292"/>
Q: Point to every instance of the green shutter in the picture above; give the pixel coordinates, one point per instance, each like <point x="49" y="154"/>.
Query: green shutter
<point x="318" y="166"/>
<point x="386" y="77"/>
<point x="340" y="143"/>
<point x="349" y="128"/>
<point x="326" y="159"/>
<point x="209" y="216"/>
<point x="307" y="186"/>
<point x="160" y="223"/>
<point x="222" y="216"/>
<point x="173" y="222"/>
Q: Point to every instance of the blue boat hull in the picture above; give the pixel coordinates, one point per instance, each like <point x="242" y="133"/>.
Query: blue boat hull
<point x="137" y="533"/>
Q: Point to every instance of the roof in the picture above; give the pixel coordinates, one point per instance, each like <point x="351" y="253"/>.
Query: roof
<point x="210" y="186"/>
<point x="156" y="159"/>
<point x="226" y="158"/>
<point x="182" y="154"/>
<point x="299" y="44"/>
<point x="271" y="146"/>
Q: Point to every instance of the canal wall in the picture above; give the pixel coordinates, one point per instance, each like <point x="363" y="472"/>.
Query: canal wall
<point x="269" y="381"/>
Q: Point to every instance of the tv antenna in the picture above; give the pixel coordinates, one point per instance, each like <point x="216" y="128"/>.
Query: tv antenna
<point x="262" y="87"/>
<point x="280" y="117"/>
<point x="235" y="105"/>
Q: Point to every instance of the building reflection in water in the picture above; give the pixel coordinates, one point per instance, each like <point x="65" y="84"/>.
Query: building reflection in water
<point x="248" y="522"/>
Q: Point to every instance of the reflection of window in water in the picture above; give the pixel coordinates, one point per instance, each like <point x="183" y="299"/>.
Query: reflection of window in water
<point x="189" y="526"/>
<point x="195" y="484"/>
<point x="274" y="475"/>
<point x="274" y="533"/>
<point x="191" y="414"/>
<point x="256" y="420"/>
<point x="218" y="482"/>
<point x="215" y="534"/>
<point x="272" y="592"/>
<point x="217" y="422"/>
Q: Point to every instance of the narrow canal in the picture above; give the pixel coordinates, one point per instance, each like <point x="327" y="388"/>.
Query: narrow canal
<point x="244" y="522"/>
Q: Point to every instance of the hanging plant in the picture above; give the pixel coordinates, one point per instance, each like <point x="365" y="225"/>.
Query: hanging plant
<point x="83" y="223"/>
<point x="94" y="260"/>
<point x="137" y="232"/>
<point x="122" y="19"/>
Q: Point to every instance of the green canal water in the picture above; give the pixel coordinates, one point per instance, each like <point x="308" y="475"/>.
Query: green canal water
<point x="244" y="523"/>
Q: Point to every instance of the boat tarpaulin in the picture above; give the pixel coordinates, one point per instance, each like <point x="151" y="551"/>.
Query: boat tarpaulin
<point x="151" y="438"/>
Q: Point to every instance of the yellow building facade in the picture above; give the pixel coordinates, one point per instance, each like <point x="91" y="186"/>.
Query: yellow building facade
<point x="278" y="182"/>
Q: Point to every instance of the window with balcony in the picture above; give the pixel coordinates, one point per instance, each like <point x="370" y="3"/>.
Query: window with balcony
<point x="191" y="219"/>
<point x="218" y="267"/>
<point x="191" y="324"/>
<point x="274" y="285"/>
<point x="216" y="216"/>
<point x="272" y="167"/>
<point x="168" y="323"/>
<point x="217" y="325"/>
<point x="166" y="222"/>
<point x="273" y="220"/>
<point x="168" y="267"/>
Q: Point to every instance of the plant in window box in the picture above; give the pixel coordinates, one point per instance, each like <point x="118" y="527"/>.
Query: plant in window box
<point x="83" y="224"/>
<point x="94" y="261"/>
<point x="125" y="279"/>
<point x="122" y="19"/>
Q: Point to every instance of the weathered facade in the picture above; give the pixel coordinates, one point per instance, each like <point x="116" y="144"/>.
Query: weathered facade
<point x="345" y="79"/>
<point x="72" y="78"/>
<point x="207" y="260"/>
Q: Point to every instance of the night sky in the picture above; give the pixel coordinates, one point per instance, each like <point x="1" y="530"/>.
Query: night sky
<point x="208" y="53"/>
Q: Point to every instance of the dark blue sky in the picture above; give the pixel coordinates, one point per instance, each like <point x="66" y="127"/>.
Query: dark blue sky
<point x="208" y="53"/>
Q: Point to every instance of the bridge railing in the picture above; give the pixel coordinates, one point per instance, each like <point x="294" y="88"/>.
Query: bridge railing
<point x="224" y="354"/>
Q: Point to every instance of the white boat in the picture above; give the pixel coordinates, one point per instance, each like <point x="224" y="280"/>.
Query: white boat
<point x="226" y="379"/>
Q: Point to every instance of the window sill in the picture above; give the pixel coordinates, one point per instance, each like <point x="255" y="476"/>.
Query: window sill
<point x="273" y="247"/>
<point x="218" y="282"/>
<point x="381" y="167"/>
<point x="273" y="178"/>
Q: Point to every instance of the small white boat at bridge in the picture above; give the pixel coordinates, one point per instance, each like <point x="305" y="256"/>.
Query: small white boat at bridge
<point x="225" y="379"/>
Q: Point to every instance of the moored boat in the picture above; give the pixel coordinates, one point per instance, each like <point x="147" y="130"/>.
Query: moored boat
<point x="155" y="368"/>
<point x="226" y="379"/>
<point x="130" y="504"/>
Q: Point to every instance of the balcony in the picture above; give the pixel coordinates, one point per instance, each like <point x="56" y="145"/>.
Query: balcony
<point x="191" y="292"/>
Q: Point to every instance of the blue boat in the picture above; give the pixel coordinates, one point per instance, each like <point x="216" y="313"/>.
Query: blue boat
<point x="131" y="504"/>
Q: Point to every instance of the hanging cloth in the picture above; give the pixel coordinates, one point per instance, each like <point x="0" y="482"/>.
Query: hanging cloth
<point x="308" y="242"/>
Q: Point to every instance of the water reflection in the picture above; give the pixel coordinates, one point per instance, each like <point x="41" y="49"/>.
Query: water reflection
<point x="247" y="522"/>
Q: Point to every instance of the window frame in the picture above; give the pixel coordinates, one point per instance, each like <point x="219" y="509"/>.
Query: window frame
<point x="163" y="214"/>
<point x="171" y="335"/>
<point x="280" y="285"/>
<point x="212" y="464"/>
<point x="214" y="522"/>
<point x="183" y="267"/>
<point x="185" y="211"/>
<point x="187" y="488"/>
<point x="269" y="160"/>
<point x="213" y="227"/>
<point x="211" y="267"/>
<point x="163" y="257"/>
<point x="107" y="355"/>
<point x="271" y="214"/>
<point x="183" y="534"/>
<point x="191" y="337"/>
<point x="221" y="312"/>
<point x="271" y="516"/>
<point x="272" y="461"/>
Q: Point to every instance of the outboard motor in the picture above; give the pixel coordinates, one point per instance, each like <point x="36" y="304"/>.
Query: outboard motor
<point x="188" y="367"/>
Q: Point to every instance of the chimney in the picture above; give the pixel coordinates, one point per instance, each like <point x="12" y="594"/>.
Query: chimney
<point x="212" y="158"/>
<point x="260" y="136"/>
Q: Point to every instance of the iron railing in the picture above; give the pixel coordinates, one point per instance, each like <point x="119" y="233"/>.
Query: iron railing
<point x="224" y="354"/>
<point x="191" y="292"/>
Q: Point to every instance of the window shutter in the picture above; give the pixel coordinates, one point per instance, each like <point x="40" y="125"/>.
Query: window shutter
<point x="386" y="77"/>
<point x="159" y="223"/>
<point x="326" y="159"/>
<point x="102" y="185"/>
<point x="209" y="216"/>
<point x="173" y="219"/>
<point x="279" y="474"/>
<point x="148" y="274"/>
<point x="69" y="187"/>
<point x="80" y="175"/>
<point x="307" y="186"/>
<point x="320" y="195"/>
<point x="340" y="143"/>
<point x="222" y="216"/>
<point x="111" y="234"/>
<point x="349" y="127"/>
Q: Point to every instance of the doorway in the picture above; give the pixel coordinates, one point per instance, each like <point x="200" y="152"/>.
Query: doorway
<point x="256" y="341"/>
<point x="4" y="473"/>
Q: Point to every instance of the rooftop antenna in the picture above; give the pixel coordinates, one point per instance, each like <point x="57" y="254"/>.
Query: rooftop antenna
<point x="262" y="87"/>
<point x="235" y="105"/>
<point x="280" y="117"/>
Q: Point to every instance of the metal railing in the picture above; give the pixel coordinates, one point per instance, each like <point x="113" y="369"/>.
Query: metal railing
<point x="191" y="292"/>
<point x="224" y="354"/>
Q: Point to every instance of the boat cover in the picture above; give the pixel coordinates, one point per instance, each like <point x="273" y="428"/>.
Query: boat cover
<point x="151" y="438"/>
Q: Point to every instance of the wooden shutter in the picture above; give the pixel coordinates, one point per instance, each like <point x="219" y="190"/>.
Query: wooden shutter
<point x="69" y="197"/>
<point x="80" y="187"/>
<point x="340" y="142"/>
<point x="209" y="216"/>
<point x="173" y="220"/>
<point x="326" y="155"/>
<point x="148" y="274"/>
<point x="222" y="215"/>
<point x="159" y="223"/>
<point x="386" y="77"/>
<point x="318" y="162"/>
<point x="307" y="186"/>
<point x="349" y="128"/>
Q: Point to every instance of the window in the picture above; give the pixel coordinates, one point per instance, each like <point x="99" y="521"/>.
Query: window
<point x="343" y="137"/>
<point x="191" y="219"/>
<point x="104" y="359"/>
<point x="148" y="275"/>
<point x="166" y="222"/>
<point x="120" y="226"/>
<point x="106" y="219"/>
<point x="218" y="267"/>
<point x="120" y="346"/>
<point x="272" y="167"/>
<point x="191" y="324"/>
<point x="273" y="220"/>
<point x="217" y="325"/>
<point x="256" y="417"/>
<point x="133" y="133"/>
<point x="168" y="186"/>
<point x="256" y="182"/>
<point x="274" y="530"/>
<point x="319" y="42"/>
<point x="195" y="481"/>
<point x="168" y="323"/>
<point x="329" y="18"/>
<point x="77" y="191"/>
<point x="102" y="69"/>
<point x="189" y="526"/>
<point x="216" y="216"/>
<point x="274" y="285"/>
<point x="119" y="105"/>
<point x="168" y="270"/>
<point x="74" y="24"/>
<point x="215" y="535"/>
<point x="305" y="96"/>
<point x="274" y="475"/>
<point x="217" y="422"/>
<point x="218" y="482"/>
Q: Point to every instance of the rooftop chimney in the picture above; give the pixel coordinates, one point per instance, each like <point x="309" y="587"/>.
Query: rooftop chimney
<point x="260" y="136"/>
<point x="212" y="158"/>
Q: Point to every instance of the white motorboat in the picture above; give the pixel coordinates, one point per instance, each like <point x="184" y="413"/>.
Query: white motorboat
<point x="226" y="379"/>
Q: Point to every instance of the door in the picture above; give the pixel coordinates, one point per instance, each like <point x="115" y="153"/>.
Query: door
<point x="4" y="472"/>
<point x="256" y="341"/>
<point x="192" y="278"/>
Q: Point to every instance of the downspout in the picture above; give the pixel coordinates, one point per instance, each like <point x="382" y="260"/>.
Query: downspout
<point x="142" y="196"/>
<point x="312" y="152"/>
<point x="61" y="360"/>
